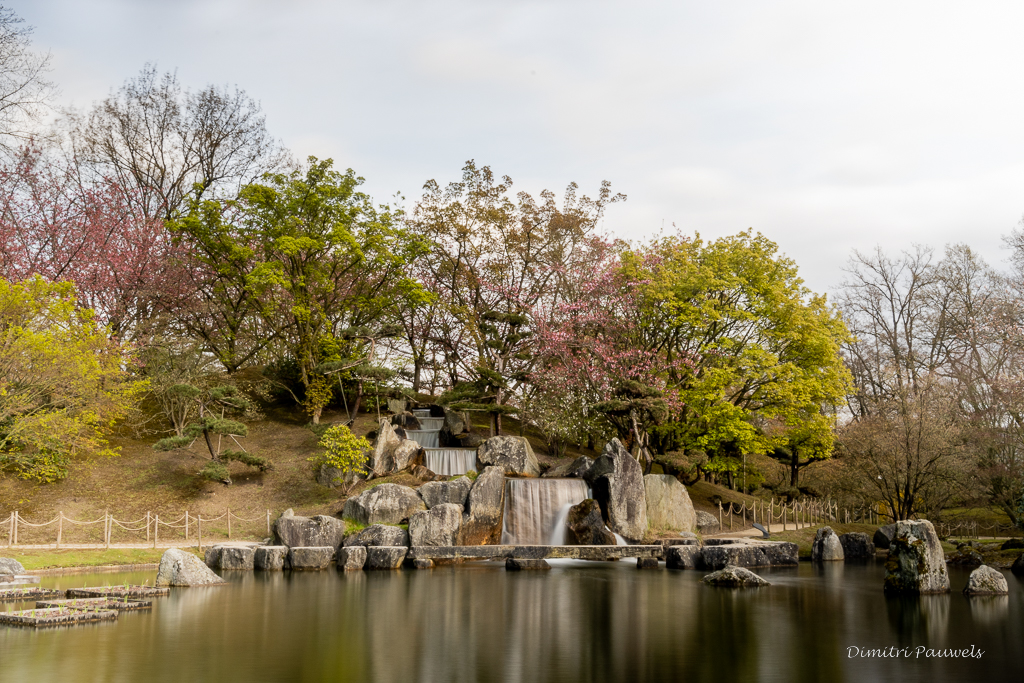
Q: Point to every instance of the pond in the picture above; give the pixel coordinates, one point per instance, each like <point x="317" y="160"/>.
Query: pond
<point x="578" y="622"/>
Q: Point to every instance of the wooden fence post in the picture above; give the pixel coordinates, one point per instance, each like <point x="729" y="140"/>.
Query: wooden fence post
<point x="268" y="522"/>
<point x="199" y="529"/>
<point x="106" y="529"/>
<point x="60" y="527"/>
<point x="783" y="517"/>
<point x="10" y="537"/>
<point x="720" y="523"/>
<point x="186" y="525"/>
<point x="229" y="523"/>
<point x="156" y="529"/>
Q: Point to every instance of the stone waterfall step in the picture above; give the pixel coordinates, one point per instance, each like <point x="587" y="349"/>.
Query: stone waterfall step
<point x="431" y="423"/>
<point x="421" y="412"/>
<point x="598" y="553"/>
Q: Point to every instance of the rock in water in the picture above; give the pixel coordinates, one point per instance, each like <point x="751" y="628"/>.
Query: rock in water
<point x="485" y="508"/>
<point x="180" y="568"/>
<point x="512" y="454"/>
<point x="706" y="522"/>
<point x="383" y="557"/>
<point x="304" y="532"/>
<point x="515" y="564"/>
<point x="439" y="526"/>
<point x="1018" y="565"/>
<point x="270" y="558"/>
<point x="379" y="534"/>
<point x="916" y="563"/>
<point x="857" y="546"/>
<point x="351" y="558"/>
<point x="437" y="492"/>
<point x="883" y="536"/>
<point x="826" y="546"/>
<point x="668" y="504"/>
<point x="986" y="581"/>
<point x="586" y="525"/>
<point x="965" y="556"/>
<point x="717" y="553"/>
<point x="302" y="559"/>
<point x="383" y="504"/>
<point x="617" y="481"/>
<point x="682" y="556"/>
<point x="734" y="577"/>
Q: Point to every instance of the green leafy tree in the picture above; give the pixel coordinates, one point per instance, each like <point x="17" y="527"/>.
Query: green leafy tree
<point x="315" y="257"/>
<point x="213" y="408"/>
<point x="63" y="380"/>
<point x="344" y="453"/>
<point x="743" y="343"/>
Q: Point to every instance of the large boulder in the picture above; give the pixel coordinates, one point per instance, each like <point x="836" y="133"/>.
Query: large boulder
<point x="383" y="504"/>
<point x="234" y="557"/>
<point x="570" y="468"/>
<point x="438" y="526"/>
<point x="682" y="557"/>
<point x="332" y="477"/>
<point x="586" y="525"/>
<point x="706" y="522"/>
<point x="986" y="581"/>
<point x="668" y="504"/>
<point x="617" y="481"/>
<point x="916" y="563"/>
<point x="379" y="534"/>
<point x="455" y="491"/>
<point x="512" y="454"/>
<point x="9" y="565"/>
<point x="826" y="546"/>
<point x="857" y="546"/>
<point x="883" y="536"/>
<point x="734" y="577"/>
<point x="485" y="509"/>
<point x="384" y="557"/>
<point x="407" y="454"/>
<point x="965" y="556"/>
<point x="744" y="552"/>
<point x="294" y="531"/>
<point x="381" y="459"/>
<point x="1018" y="565"/>
<point x="181" y="568"/>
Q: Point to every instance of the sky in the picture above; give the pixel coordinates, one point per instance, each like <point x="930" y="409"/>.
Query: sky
<point x="826" y="126"/>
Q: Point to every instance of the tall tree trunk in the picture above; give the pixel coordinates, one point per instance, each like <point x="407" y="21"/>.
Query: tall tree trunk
<point x="794" y="469"/>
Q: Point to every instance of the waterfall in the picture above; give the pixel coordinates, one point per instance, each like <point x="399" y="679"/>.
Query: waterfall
<point x="431" y="423"/>
<point x="450" y="461"/>
<point x="421" y="412"/>
<point x="427" y="438"/>
<point x="536" y="509"/>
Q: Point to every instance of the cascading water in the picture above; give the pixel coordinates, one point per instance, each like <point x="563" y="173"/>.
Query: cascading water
<point x="427" y="438"/>
<point x="421" y="412"/>
<point x="536" y="509"/>
<point x="450" y="461"/>
<point x="431" y="423"/>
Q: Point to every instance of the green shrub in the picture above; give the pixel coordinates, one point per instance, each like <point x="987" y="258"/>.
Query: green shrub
<point x="343" y="451"/>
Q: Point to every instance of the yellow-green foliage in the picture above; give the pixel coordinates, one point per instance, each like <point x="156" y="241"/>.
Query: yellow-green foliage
<point x="343" y="450"/>
<point x="62" y="380"/>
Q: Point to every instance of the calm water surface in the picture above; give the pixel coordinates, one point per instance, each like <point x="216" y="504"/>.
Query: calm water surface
<point x="578" y="622"/>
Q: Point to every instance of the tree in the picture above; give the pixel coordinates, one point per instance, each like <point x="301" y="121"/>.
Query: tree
<point x="312" y="256"/>
<point x="344" y="453"/>
<point x="62" y="380"/>
<point x="493" y="262"/>
<point x="163" y="143"/>
<point x="125" y="267"/>
<point x="742" y="344"/>
<point x="212" y="407"/>
<point x="24" y="89"/>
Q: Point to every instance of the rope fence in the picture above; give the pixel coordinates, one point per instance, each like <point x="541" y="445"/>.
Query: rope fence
<point x="20" y="531"/>
<point x="799" y="514"/>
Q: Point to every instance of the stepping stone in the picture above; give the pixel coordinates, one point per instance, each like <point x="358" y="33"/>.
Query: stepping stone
<point x="19" y="594"/>
<point x="516" y="564"/>
<point x="100" y="604"/>
<point x="55" y="616"/>
<point x="119" y="592"/>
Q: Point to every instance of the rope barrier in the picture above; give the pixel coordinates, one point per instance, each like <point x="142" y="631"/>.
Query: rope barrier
<point x="149" y="524"/>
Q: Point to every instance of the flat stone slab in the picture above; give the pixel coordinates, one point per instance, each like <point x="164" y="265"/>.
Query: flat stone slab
<point x="351" y="558"/>
<point x="385" y="557"/>
<point x="17" y="579"/>
<point x="119" y="592"/>
<point x="748" y="553"/>
<point x="270" y="558"/>
<point x="29" y="593"/>
<point x="597" y="553"/>
<point x="683" y="557"/>
<point x="55" y="616"/>
<point x="100" y="604"/>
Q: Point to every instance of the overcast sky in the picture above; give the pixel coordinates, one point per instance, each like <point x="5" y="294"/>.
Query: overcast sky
<point x="827" y="126"/>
